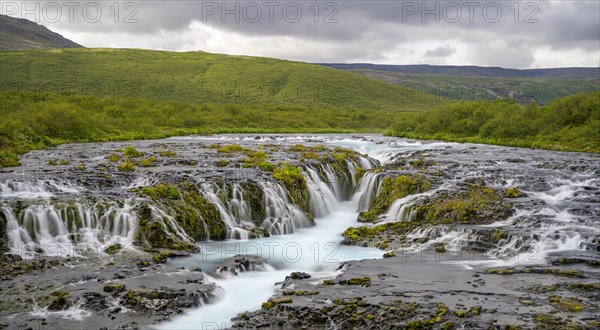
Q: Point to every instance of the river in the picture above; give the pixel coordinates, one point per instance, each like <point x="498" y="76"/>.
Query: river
<point x="556" y="216"/>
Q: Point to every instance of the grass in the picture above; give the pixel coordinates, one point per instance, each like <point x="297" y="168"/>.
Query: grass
<point x="542" y="90"/>
<point x="198" y="77"/>
<point x="35" y="121"/>
<point x="569" y="124"/>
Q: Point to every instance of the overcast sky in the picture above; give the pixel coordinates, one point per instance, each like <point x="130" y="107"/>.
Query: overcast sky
<point x="523" y="34"/>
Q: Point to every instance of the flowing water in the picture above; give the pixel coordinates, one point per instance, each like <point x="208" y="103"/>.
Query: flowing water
<point x="559" y="216"/>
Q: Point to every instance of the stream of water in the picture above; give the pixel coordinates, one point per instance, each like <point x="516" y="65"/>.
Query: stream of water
<point x="559" y="217"/>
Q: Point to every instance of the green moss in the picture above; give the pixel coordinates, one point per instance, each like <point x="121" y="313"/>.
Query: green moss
<point x="548" y="321"/>
<point x="143" y="263"/>
<point x="536" y="270"/>
<point x="501" y="271"/>
<point x="276" y="301"/>
<point x="222" y="162"/>
<point x="113" y="248"/>
<point x="162" y="257"/>
<point x="167" y="153"/>
<point x="368" y="234"/>
<point x="568" y="304"/>
<point x="393" y="189"/>
<point x="461" y="313"/>
<point x="498" y="234"/>
<point x="126" y="166"/>
<point x="512" y="192"/>
<point x="472" y="208"/>
<point x="370" y="317"/>
<point x="328" y="282"/>
<point x="299" y="148"/>
<point x="60" y="302"/>
<point x="114" y="288"/>
<point x="148" y="162"/>
<point x="132" y="152"/>
<point x="232" y="148"/>
<point x="55" y="162"/>
<point x="475" y="310"/>
<point x="417" y="162"/>
<point x="389" y="255"/>
<point x="161" y="191"/>
<point x="440" y="248"/>
<point x="294" y="180"/>
<point x="364" y="281"/>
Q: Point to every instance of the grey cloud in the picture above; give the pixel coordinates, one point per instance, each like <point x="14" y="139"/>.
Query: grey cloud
<point x="360" y="26"/>
<point x="442" y="51"/>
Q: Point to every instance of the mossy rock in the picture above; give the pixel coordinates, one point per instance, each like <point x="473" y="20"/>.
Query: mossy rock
<point x="512" y="192"/>
<point x="295" y="182"/>
<point x="363" y="281"/>
<point x="60" y="302"/>
<point x="114" y="288"/>
<point x="112" y="249"/>
<point x="479" y="205"/>
<point x="393" y="189"/>
<point x="276" y="301"/>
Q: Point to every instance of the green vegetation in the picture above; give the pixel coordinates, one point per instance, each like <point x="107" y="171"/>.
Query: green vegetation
<point x="295" y="182"/>
<point x="126" y="166"/>
<point x="571" y="123"/>
<point x="534" y="270"/>
<point x="477" y="205"/>
<point x="199" y="77"/>
<point x="54" y="162"/>
<point x="276" y="301"/>
<point x="128" y="94"/>
<point x="114" y="158"/>
<point x="393" y="189"/>
<point x="512" y="192"/>
<point x="132" y="152"/>
<point x="567" y="304"/>
<point x="232" y="148"/>
<point x="61" y="302"/>
<point x="471" y="88"/>
<point x="114" y="287"/>
<point x="472" y="207"/>
<point x="161" y="191"/>
<point x="33" y="121"/>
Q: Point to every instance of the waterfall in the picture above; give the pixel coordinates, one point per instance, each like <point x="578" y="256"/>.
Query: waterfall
<point x="35" y="188"/>
<point x="66" y="229"/>
<point x="369" y="187"/>
<point x="281" y="215"/>
<point x="322" y="195"/>
<point x="57" y="213"/>
<point x="236" y="227"/>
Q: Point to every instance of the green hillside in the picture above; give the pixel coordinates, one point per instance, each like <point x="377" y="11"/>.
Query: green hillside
<point x="571" y="123"/>
<point x="197" y="77"/>
<point x="542" y="90"/>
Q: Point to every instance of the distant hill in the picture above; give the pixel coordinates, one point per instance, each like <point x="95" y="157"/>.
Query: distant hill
<point x="473" y="83"/>
<point x="22" y="34"/>
<point x="198" y="77"/>
<point x="472" y="71"/>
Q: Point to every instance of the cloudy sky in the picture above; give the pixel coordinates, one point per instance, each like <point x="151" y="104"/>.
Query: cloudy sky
<point x="517" y="34"/>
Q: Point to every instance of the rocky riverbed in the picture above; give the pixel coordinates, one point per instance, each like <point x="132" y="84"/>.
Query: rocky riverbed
<point x="470" y="236"/>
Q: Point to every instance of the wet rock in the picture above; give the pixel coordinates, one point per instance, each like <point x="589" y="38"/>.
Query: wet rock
<point x="298" y="276"/>
<point x="94" y="301"/>
<point x="241" y="263"/>
<point x="165" y="301"/>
